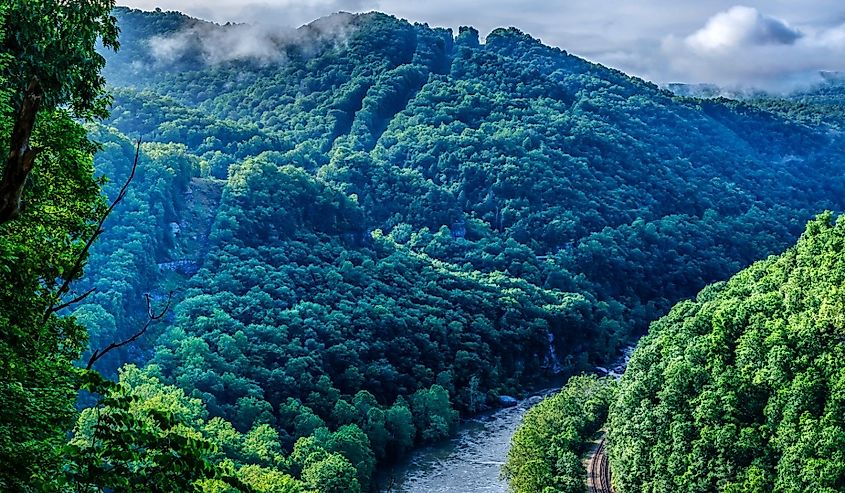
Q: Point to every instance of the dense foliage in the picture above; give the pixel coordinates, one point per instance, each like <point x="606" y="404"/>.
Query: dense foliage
<point x="546" y="454"/>
<point x="370" y="227"/>
<point x="147" y="436"/>
<point x="386" y="224"/>
<point x="48" y="60"/>
<point x="741" y="389"/>
<point x="37" y="347"/>
<point x="41" y="247"/>
<point x="140" y="435"/>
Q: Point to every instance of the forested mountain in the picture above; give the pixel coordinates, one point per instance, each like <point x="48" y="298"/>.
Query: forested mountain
<point x="733" y="391"/>
<point x="404" y="209"/>
<point x="740" y="390"/>
<point x="370" y="227"/>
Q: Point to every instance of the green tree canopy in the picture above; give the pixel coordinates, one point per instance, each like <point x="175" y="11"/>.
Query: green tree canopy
<point x="741" y="389"/>
<point x="48" y="59"/>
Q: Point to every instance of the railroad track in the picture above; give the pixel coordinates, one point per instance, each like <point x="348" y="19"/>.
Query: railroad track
<point x="598" y="471"/>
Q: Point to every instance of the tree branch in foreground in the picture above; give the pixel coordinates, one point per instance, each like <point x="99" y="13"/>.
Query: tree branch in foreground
<point x="153" y="316"/>
<point x="80" y="259"/>
<point x="21" y="158"/>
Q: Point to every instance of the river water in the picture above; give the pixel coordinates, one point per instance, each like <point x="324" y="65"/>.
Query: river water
<point x="471" y="461"/>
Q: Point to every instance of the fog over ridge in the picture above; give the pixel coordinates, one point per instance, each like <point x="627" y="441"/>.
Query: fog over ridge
<point x="261" y="43"/>
<point x="774" y="44"/>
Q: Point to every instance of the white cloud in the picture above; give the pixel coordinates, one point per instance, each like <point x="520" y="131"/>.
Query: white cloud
<point x="219" y="45"/>
<point x="263" y="44"/>
<point x="742" y="26"/>
<point x="275" y="13"/>
<point x="742" y="47"/>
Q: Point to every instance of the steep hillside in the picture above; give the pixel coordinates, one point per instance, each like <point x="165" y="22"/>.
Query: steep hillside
<point x="741" y="390"/>
<point x="574" y="161"/>
<point x="413" y="221"/>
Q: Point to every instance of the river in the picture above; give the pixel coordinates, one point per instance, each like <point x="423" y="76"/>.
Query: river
<point x="471" y="461"/>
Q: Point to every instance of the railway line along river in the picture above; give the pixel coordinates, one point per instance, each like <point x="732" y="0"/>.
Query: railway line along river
<point x="470" y="462"/>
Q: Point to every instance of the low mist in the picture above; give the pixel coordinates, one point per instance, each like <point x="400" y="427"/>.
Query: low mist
<point x="262" y="44"/>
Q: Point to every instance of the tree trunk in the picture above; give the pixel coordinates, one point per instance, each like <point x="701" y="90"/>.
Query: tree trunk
<point x="21" y="156"/>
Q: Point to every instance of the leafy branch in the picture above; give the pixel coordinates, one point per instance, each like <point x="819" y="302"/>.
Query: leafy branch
<point x="83" y="254"/>
<point x="153" y="316"/>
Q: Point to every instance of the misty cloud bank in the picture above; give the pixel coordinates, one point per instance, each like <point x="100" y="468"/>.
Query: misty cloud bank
<point x="262" y="44"/>
<point x="741" y="26"/>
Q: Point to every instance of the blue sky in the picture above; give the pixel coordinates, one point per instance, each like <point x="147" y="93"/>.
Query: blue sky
<point x="772" y="44"/>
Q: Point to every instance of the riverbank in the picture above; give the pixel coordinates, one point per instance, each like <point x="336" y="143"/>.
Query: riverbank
<point x="469" y="462"/>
